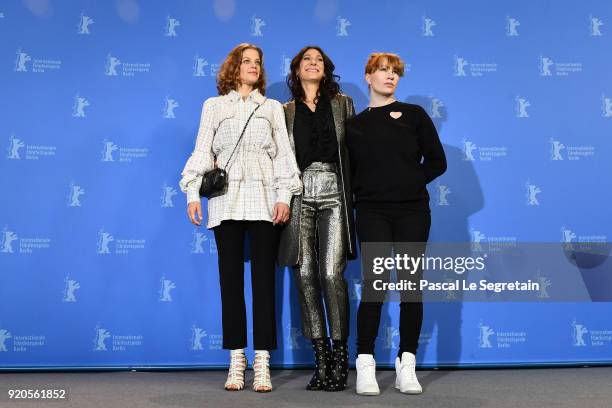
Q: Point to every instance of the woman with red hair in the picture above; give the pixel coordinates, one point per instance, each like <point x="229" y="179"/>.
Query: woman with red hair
<point x="395" y="152"/>
<point x="244" y="132"/>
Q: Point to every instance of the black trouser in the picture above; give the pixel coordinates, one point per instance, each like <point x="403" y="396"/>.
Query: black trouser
<point x="230" y="246"/>
<point x="391" y="224"/>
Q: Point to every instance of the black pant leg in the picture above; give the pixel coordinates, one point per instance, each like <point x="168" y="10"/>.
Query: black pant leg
<point x="229" y="236"/>
<point x="372" y="226"/>
<point x="411" y="226"/>
<point x="264" y="247"/>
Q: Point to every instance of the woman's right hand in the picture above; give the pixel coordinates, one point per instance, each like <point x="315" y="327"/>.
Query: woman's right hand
<point x="194" y="210"/>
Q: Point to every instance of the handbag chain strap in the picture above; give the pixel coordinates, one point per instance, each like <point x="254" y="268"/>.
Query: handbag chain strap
<point x="242" y="134"/>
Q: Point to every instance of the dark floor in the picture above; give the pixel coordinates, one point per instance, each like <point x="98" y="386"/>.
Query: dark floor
<point x="512" y="388"/>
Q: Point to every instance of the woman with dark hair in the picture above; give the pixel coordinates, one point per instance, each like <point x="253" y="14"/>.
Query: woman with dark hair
<point x="395" y="151"/>
<point x="245" y="133"/>
<point x="320" y="235"/>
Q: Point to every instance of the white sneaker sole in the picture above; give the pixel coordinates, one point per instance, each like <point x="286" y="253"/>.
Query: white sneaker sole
<point x="368" y="393"/>
<point x="411" y="392"/>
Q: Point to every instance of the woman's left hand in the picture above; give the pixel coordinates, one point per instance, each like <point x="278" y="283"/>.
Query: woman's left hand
<point x="281" y="213"/>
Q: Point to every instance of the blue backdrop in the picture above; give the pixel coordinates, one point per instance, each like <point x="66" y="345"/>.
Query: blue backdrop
<point x="99" y="265"/>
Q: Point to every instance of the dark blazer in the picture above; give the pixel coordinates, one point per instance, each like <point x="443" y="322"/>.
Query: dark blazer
<point x="289" y="249"/>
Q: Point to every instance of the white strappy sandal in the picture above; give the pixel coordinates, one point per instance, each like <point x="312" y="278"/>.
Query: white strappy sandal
<point x="261" y="367"/>
<point x="235" y="375"/>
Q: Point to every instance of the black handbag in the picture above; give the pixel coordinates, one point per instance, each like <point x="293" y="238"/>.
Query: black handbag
<point x="214" y="182"/>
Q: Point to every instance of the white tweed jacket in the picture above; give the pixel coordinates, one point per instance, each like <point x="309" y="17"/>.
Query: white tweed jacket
<point x="263" y="170"/>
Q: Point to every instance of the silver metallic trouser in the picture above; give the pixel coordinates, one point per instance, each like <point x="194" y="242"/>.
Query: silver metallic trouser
<point x="323" y="255"/>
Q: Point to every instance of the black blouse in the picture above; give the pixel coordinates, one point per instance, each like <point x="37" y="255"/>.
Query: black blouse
<point x="314" y="134"/>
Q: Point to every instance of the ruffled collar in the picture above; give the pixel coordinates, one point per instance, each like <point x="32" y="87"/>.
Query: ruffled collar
<point x="255" y="96"/>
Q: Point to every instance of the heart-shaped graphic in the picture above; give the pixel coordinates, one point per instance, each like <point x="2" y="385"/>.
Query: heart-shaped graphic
<point x="395" y="115"/>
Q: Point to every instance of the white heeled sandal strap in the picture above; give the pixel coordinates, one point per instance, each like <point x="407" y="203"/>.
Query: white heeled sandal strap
<point x="235" y="375"/>
<point x="261" y="367"/>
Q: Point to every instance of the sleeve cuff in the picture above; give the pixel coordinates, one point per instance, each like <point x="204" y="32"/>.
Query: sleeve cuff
<point x="284" y="196"/>
<point x="193" y="196"/>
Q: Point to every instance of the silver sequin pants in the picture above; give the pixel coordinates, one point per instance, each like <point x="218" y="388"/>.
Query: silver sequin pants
<point x="320" y="273"/>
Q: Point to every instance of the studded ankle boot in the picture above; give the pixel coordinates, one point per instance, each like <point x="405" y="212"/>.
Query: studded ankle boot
<point x="339" y="367"/>
<point x="322" y="357"/>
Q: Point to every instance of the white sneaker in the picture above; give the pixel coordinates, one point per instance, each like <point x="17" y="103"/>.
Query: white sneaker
<point x="405" y="370"/>
<point x="366" y="375"/>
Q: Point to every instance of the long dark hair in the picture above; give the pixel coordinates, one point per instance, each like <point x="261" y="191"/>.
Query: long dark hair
<point x="328" y="87"/>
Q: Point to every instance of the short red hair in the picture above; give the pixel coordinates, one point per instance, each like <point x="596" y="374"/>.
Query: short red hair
<point x="379" y="59"/>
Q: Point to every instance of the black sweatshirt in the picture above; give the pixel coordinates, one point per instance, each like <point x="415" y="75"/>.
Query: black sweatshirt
<point x="393" y="157"/>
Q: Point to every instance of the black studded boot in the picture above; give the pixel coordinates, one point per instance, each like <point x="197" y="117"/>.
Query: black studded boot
<point x="339" y="367"/>
<point x="322" y="357"/>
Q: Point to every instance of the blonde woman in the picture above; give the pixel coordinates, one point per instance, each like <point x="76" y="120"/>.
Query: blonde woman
<point x="262" y="177"/>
